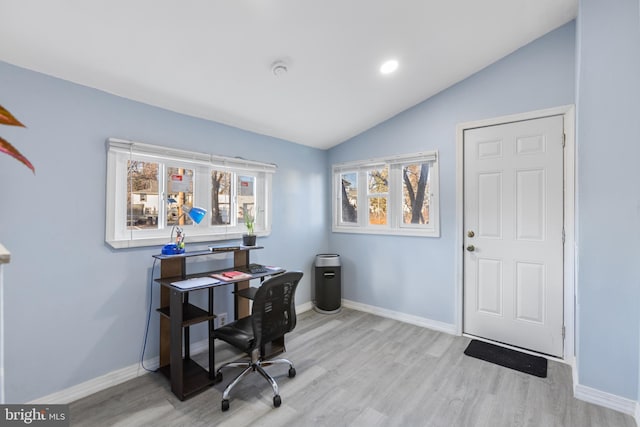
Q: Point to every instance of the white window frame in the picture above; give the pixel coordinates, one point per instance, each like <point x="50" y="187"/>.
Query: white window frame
<point x="119" y="152"/>
<point x="395" y="225"/>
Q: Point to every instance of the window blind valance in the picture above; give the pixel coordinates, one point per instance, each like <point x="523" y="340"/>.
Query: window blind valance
<point x="166" y="153"/>
<point x="427" y="156"/>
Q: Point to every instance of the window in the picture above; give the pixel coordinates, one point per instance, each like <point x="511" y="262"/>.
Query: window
<point x="220" y="197"/>
<point x="400" y="195"/>
<point x="349" y="198"/>
<point x="151" y="188"/>
<point x="378" y="194"/>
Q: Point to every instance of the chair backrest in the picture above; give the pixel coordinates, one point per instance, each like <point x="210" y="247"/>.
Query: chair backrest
<point x="274" y="307"/>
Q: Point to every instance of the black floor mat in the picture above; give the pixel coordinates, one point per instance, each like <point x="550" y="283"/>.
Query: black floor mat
<point x="508" y="358"/>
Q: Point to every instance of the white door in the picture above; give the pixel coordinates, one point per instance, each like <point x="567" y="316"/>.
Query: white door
<point x="513" y="219"/>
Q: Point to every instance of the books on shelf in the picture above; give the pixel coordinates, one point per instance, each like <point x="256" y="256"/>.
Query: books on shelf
<point x="232" y="275"/>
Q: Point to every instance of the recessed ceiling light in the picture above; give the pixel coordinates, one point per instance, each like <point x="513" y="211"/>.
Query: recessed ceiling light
<point x="389" y="66"/>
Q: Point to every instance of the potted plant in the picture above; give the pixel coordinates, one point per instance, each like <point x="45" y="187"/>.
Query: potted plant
<point x="6" y="118"/>
<point x="248" y="239"/>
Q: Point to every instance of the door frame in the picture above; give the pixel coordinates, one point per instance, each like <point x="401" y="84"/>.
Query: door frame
<point x="569" y="250"/>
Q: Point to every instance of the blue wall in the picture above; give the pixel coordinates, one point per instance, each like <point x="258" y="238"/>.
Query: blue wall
<point x="608" y="146"/>
<point x="415" y="275"/>
<point x="75" y="308"/>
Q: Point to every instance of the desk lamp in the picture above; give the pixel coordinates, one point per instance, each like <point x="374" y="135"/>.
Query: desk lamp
<point x="196" y="214"/>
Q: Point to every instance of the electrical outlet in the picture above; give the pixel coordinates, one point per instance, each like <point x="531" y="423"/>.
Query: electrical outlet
<point x="222" y="319"/>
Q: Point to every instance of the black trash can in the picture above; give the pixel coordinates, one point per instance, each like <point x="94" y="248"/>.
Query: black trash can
<point x="328" y="284"/>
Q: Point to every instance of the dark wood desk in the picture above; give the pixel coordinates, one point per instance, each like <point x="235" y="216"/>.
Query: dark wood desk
<point x="177" y="315"/>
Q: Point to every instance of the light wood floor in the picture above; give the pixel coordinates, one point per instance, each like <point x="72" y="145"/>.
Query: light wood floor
<point x="356" y="369"/>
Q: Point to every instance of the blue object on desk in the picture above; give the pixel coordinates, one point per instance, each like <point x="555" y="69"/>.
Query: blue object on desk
<point x="172" y="249"/>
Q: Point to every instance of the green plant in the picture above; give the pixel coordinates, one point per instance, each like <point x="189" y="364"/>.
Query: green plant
<point x="249" y="220"/>
<point x="6" y="118"/>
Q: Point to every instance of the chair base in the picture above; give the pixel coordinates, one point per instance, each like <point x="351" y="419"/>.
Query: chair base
<point x="255" y="364"/>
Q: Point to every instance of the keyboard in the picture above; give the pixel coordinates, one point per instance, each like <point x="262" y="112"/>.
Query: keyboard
<point x="257" y="268"/>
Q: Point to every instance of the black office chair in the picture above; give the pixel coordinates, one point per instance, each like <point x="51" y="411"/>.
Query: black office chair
<point x="273" y="314"/>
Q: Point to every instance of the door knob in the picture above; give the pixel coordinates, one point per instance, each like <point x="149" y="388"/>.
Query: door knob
<point x="470" y="233"/>
<point x="471" y="248"/>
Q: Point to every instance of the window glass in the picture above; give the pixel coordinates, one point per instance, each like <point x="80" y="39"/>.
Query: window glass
<point x="378" y="193"/>
<point x="142" y="195"/>
<point x="377" y="210"/>
<point x="415" y="193"/>
<point x="179" y="195"/>
<point x="150" y="189"/>
<point x="349" y="197"/>
<point x="246" y="196"/>
<point x="399" y="195"/>
<point x="220" y="198"/>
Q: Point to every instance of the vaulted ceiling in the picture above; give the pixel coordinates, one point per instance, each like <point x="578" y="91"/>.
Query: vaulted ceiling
<point x="219" y="60"/>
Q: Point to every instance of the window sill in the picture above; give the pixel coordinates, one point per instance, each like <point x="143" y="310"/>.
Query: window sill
<point x="387" y="231"/>
<point x="161" y="241"/>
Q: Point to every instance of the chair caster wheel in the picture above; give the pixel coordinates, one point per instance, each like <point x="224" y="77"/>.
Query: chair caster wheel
<point x="225" y="405"/>
<point x="218" y="377"/>
<point x="292" y="372"/>
<point x="276" y="401"/>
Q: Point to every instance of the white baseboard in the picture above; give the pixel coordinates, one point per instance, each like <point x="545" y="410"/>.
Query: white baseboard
<point x="95" y="385"/>
<point x="119" y="376"/>
<point x="304" y="307"/>
<point x="111" y="379"/>
<point x="402" y="317"/>
<point x="607" y="400"/>
<point x="601" y="398"/>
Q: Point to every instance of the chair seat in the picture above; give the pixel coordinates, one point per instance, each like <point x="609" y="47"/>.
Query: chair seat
<point x="239" y="334"/>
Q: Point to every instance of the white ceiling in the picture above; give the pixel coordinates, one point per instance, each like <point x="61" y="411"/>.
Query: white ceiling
<point x="212" y="58"/>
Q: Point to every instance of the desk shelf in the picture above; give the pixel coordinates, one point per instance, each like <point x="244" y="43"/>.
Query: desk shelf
<point x="195" y="377"/>
<point x="248" y="293"/>
<point x="191" y="314"/>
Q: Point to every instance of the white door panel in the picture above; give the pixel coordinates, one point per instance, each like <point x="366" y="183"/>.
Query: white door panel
<point x="513" y="218"/>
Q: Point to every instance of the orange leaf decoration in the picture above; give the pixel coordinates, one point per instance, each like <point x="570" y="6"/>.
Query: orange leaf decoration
<point x="6" y="118"/>
<point x="5" y="147"/>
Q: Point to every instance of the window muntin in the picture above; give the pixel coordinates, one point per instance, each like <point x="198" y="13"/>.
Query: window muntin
<point x="400" y="193"/>
<point x="149" y="188"/>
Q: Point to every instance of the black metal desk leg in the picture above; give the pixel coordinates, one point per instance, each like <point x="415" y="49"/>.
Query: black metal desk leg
<point x="187" y="335"/>
<point x="212" y="347"/>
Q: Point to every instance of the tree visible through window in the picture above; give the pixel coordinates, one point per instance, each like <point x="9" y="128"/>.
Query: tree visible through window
<point x="349" y="184"/>
<point x="399" y="193"/>
<point x="180" y="194"/>
<point x="415" y="189"/>
<point x="142" y="195"/>
<point x="150" y="189"/>
<point x="220" y="197"/>
<point x="378" y="194"/>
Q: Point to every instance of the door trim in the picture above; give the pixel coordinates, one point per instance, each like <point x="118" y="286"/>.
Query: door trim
<point x="569" y="265"/>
